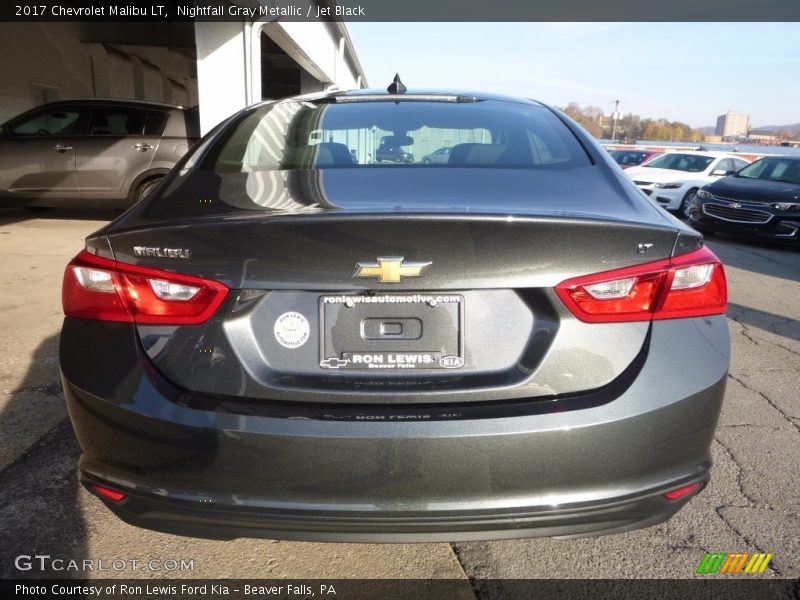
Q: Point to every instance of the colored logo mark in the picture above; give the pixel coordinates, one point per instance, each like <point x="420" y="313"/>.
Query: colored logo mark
<point x="742" y="562"/>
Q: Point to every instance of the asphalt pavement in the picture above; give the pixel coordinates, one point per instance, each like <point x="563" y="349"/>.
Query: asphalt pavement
<point x="751" y="505"/>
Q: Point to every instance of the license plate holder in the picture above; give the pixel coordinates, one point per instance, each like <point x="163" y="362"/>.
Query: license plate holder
<point x="391" y="332"/>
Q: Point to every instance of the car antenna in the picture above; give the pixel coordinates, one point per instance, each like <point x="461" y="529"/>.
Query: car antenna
<point x="396" y="87"/>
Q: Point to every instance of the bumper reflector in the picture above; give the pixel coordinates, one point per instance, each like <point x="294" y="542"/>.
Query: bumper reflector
<point x="110" y="494"/>
<point x="680" y="492"/>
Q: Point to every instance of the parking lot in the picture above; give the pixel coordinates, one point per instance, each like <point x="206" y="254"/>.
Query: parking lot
<point x="751" y="505"/>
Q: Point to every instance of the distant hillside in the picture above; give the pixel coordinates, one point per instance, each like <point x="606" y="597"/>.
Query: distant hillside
<point x="794" y="129"/>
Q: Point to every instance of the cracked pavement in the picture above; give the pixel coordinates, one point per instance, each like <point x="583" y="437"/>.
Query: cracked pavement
<point x="751" y="505"/>
<point x="753" y="501"/>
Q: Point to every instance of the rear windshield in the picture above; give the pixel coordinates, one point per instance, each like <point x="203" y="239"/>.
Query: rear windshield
<point x="366" y="135"/>
<point x="691" y="163"/>
<point x="627" y="157"/>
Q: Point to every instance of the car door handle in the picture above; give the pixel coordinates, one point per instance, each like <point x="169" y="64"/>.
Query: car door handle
<point x="61" y="148"/>
<point x="142" y="147"/>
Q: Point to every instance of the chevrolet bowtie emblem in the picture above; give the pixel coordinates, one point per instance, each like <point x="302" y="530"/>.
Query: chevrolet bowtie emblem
<point x="390" y="269"/>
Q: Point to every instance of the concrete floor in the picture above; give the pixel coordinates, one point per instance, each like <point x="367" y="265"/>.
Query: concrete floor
<point x="752" y="504"/>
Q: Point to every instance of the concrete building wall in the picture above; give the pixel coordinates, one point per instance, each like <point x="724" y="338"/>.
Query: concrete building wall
<point x="52" y="57"/>
<point x="720" y="127"/>
<point x="48" y="61"/>
<point x="229" y="62"/>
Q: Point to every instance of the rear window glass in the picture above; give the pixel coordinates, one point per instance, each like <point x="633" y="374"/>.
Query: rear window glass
<point x="485" y="134"/>
<point x="56" y="121"/>
<point x="117" y="121"/>
<point x="156" y="121"/>
<point x="192" y="120"/>
<point x="626" y="157"/>
<point x="691" y="163"/>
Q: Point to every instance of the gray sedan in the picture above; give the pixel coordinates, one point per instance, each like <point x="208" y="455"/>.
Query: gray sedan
<point x="282" y="342"/>
<point x="438" y="157"/>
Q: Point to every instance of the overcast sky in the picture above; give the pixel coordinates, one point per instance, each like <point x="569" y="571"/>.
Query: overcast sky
<point x="690" y="72"/>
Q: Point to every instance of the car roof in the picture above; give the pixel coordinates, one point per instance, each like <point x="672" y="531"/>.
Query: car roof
<point x="780" y="157"/>
<point x="439" y="92"/>
<point x="410" y="93"/>
<point x="710" y="153"/>
<point x="117" y="101"/>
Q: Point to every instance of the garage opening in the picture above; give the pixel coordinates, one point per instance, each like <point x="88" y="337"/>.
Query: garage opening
<point x="281" y="76"/>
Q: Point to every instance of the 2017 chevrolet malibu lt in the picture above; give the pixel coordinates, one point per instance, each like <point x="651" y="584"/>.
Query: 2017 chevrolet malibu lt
<point x="282" y="341"/>
<point x="761" y="200"/>
<point x="673" y="178"/>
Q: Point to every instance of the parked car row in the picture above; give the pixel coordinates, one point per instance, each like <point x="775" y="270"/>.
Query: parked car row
<point x="115" y="152"/>
<point x="719" y="191"/>
<point x="390" y="150"/>
<point x="673" y="178"/>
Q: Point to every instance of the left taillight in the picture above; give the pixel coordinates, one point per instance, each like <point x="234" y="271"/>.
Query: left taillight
<point x="107" y="290"/>
<point x="691" y="285"/>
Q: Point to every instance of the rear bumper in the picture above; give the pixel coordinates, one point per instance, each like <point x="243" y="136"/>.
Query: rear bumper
<point x="232" y="517"/>
<point x="587" y="471"/>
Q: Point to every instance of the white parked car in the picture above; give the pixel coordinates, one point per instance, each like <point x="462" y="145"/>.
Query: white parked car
<point x="673" y="178"/>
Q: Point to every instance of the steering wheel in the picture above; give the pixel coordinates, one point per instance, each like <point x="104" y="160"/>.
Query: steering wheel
<point x="43" y="132"/>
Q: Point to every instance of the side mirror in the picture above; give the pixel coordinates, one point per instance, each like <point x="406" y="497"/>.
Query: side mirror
<point x="720" y="173"/>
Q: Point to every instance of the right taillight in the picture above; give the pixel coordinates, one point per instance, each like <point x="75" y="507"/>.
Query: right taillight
<point x="691" y="285"/>
<point x="107" y="290"/>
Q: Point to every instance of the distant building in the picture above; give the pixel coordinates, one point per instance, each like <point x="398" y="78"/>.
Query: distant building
<point x="732" y="124"/>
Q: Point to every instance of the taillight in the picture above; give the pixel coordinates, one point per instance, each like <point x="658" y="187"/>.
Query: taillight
<point x="103" y="289"/>
<point x="691" y="285"/>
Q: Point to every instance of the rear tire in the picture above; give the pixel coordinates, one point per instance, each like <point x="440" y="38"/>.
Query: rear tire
<point x="145" y="187"/>
<point x="686" y="203"/>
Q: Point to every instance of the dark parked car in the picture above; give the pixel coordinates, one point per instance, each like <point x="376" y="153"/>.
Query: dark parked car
<point x="391" y="149"/>
<point x="282" y="342"/>
<point x="762" y="200"/>
<point x="108" y="153"/>
<point x="632" y="158"/>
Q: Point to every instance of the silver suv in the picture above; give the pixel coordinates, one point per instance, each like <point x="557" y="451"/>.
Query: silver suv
<point x="108" y="153"/>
